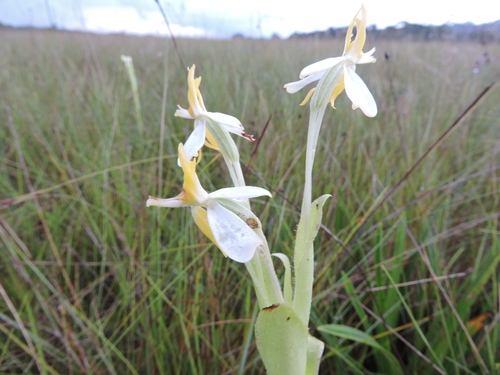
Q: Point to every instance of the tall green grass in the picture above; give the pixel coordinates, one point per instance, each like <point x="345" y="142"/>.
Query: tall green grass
<point x="93" y="282"/>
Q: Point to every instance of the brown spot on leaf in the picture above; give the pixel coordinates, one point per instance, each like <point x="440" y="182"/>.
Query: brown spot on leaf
<point x="272" y="307"/>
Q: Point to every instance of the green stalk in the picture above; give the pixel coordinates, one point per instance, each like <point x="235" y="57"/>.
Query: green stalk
<point x="306" y="230"/>
<point x="301" y="353"/>
<point x="260" y="268"/>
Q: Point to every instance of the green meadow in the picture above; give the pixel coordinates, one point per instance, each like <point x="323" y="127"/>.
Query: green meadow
<point x="93" y="282"/>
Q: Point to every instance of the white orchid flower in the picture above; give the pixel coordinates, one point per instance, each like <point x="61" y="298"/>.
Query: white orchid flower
<point x="234" y="237"/>
<point x="354" y="86"/>
<point x="197" y="112"/>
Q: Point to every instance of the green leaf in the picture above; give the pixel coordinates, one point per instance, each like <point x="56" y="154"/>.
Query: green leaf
<point x="355" y="334"/>
<point x="282" y="340"/>
<point x="349" y="333"/>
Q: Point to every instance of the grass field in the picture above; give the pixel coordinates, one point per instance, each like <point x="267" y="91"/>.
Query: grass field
<point x="93" y="282"/>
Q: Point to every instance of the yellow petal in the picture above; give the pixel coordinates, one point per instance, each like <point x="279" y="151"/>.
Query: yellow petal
<point x="360" y="36"/>
<point x="354" y="47"/>
<point x="201" y="220"/>
<point x="348" y="37"/>
<point x="337" y="90"/>
<point x="198" y="94"/>
<point x="308" y="96"/>
<point x="196" y="107"/>
<point x="191" y="86"/>
<point x="197" y="82"/>
<point x="193" y="193"/>
<point x="210" y="141"/>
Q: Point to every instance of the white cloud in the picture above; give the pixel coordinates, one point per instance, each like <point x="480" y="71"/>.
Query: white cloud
<point x="223" y="18"/>
<point x="129" y="20"/>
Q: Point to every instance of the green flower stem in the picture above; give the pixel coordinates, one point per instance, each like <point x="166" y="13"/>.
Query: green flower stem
<point x="260" y="268"/>
<point x="310" y="220"/>
<point x="264" y="275"/>
<point x="264" y="278"/>
<point x="304" y="250"/>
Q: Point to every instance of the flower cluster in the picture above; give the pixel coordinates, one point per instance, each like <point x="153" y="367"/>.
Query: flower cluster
<point x="234" y="237"/>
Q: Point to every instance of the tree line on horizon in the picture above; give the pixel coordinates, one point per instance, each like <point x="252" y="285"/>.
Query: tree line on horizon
<point x="464" y="32"/>
<point x="484" y="33"/>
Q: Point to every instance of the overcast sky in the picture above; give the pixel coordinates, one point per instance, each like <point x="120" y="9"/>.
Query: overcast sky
<point x="224" y="18"/>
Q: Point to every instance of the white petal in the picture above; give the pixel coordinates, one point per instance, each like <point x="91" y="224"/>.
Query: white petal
<point x="357" y="91"/>
<point x="240" y="192"/>
<point x="293" y="87"/>
<point x="184" y="113"/>
<point x="367" y="58"/>
<point x="226" y="120"/>
<point x="319" y="66"/>
<point x="170" y="202"/>
<point x="235" y="238"/>
<point x="195" y="142"/>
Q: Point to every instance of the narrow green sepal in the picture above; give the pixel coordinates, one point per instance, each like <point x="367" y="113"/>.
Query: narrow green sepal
<point x="323" y="91"/>
<point x="226" y="144"/>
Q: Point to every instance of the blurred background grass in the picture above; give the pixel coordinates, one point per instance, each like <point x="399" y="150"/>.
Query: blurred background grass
<point x="93" y="282"/>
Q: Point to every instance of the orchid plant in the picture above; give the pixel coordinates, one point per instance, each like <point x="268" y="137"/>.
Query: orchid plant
<point x="225" y="217"/>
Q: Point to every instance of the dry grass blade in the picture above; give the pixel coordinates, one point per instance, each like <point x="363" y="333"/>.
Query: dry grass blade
<point x="177" y="50"/>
